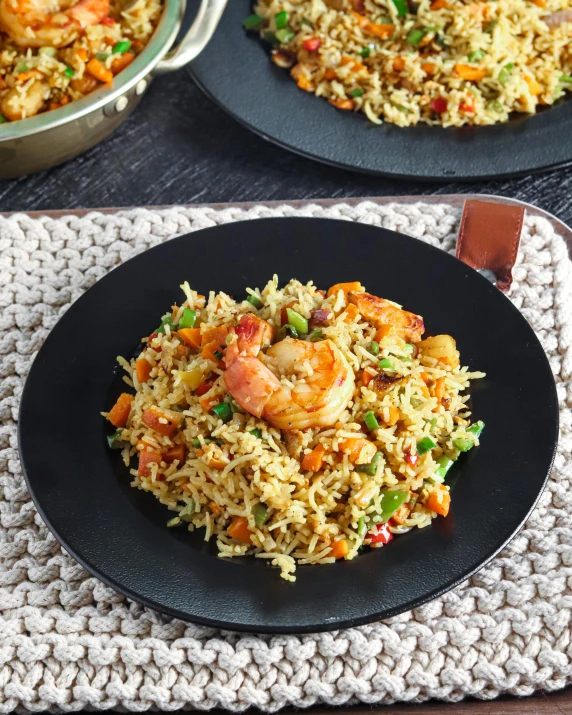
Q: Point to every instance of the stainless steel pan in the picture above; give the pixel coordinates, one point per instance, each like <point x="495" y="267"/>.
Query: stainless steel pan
<point x="53" y="137"/>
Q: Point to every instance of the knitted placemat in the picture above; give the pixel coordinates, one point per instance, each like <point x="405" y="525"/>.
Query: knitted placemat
<point x="68" y="642"/>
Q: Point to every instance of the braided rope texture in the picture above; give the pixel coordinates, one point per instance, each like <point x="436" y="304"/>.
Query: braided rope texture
<point x="68" y="642"/>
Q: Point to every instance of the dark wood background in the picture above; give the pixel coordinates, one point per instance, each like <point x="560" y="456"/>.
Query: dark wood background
<point x="178" y="148"/>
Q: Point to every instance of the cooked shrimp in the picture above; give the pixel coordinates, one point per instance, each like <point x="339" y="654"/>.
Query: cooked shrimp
<point x="41" y="23"/>
<point x="381" y="312"/>
<point x="316" y="399"/>
<point x="21" y="105"/>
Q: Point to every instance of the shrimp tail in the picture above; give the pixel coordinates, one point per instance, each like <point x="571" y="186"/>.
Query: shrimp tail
<point x="251" y="383"/>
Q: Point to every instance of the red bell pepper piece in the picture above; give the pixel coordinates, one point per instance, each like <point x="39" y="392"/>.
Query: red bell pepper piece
<point x="439" y="105"/>
<point x="312" y="44"/>
<point x="380" y="534"/>
<point x="411" y="459"/>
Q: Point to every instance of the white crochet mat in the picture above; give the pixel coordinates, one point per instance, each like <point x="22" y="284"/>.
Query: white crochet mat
<point x="69" y="642"/>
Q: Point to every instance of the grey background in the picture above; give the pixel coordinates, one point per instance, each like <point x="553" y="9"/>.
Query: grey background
<point x="178" y="147"/>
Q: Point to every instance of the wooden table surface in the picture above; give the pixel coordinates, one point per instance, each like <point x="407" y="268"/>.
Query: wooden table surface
<point x="178" y="148"/>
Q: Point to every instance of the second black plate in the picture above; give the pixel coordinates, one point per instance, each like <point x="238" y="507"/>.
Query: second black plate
<point x="235" y="71"/>
<point x="82" y="491"/>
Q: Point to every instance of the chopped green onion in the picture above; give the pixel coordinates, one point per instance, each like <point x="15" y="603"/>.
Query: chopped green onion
<point x="252" y="22"/>
<point x="361" y="528"/>
<point x="476" y="55"/>
<point x="260" y="512"/>
<point x="365" y="51"/>
<point x="48" y="51"/>
<point x="175" y="521"/>
<point x="305" y="21"/>
<point x="477" y="428"/>
<point x="316" y="335"/>
<point x="371" y="468"/>
<point x="390" y="502"/>
<point x="440" y="40"/>
<point x="256" y="432"/>
<point x="496" y="106"/>
<point x="3" y="119"/>
<point x="385" y="364"/>
<point x="255" y="301"/>
<point x="373" y="347"/>
<point x="464" y="444"/>
<point x="271" y="38"/>
<point x="401" y="7"/>
<point x="370" y="421"/>
<point x="223" y="411"/>
<point x="281" y="19"/>
<point x="356" y="92"/>
<point x="566" y="79"/>
<point x="196" y="443"/>
<point x="69" y="72"/>
<point x="167" y="320"/>
<point x="297" y="320"/>
<point x="287" y="329"/>
<point x="101" y="56"/>
<point x="405" y="358"/>
<point x="121" y="47"/>
<point x="425" y="445"/>
<point x="444" y="465"/>
<point x="408" y="348"/>
<point x="21" y="67"/>
<point x="285" y="34"/>
<point x="188" y="319"/>
<point x="234" y="406"/>
<point x="415" y="37"/>
<point x="114" y="440"/>
<point x="218" y="354"/>
<point x="504" y="74"/>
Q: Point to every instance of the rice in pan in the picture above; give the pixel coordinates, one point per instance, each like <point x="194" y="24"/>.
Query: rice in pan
<point x="295" y="425"/>
<point x="448" y="62"/>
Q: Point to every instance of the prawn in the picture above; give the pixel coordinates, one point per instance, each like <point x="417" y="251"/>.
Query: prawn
<point x="45" y="23"/>
<point x="380" y="312"/>
<point x="317" y="400"/>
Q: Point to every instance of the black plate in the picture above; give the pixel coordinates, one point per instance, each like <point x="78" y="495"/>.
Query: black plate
<point x="235" y="71"/>
<point x="118" y="533"/>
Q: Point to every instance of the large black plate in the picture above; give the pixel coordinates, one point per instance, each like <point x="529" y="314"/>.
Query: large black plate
<point x="118" y="533"/>
<point x="235" y="71"/>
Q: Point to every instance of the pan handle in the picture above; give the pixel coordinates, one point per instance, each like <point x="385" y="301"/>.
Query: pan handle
<point x="196" y="39"/>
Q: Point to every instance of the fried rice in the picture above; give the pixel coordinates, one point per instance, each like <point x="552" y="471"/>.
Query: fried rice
<point x="35" y="79"/>
<point x="295" y="496"/>
<point x="447" y="62"/>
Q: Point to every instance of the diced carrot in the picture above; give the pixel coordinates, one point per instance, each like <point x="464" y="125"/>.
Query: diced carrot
<point x="383" y="331"/>
<point x="25" y="76"/>
<point x="346" y="104"/>
<point x="207" y="402"/>
<point x="384" y="32"/>
<point x="82" y="54"/>
<point x="339" y="549"/>
<point x="398" y="64"/>
<point x="425" y="377"/>
<point x="438" y="4"/>
<point x="119" y="413"/>
<point x="121" y="62"/>
<point x="356" y="65"/>
<point x="540" y="3"/>
<point x="472" y="74"/>
<point x="439" y="501"/>
<point x="163" y="422"/>
<point x="360" y="19"/>
<point x="358" y="449"/>
<point x="143" y="369"/>
<point x="428" y="68"/>
<point x="533" y="86"/>
<point x="350" y="313"/>
<point x="393" y="416"/>
<point x="330" y="73"/>
<point x="366" y="378"/>
<point x="304" y="83"/>
<point x="217" y="335"/>
<point x="146" y="458"/>
<point x="439" y="388"/>
<point x="190" y="336"/>
<point x="215" y="508"/>
<point x="312" y="461"/>
<point x="209" y="350"/>
<point x="355" y="287"/>
<point x="95" y="68"/>
<point x="175" y="453"/>
<point x="239" y="530"/>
